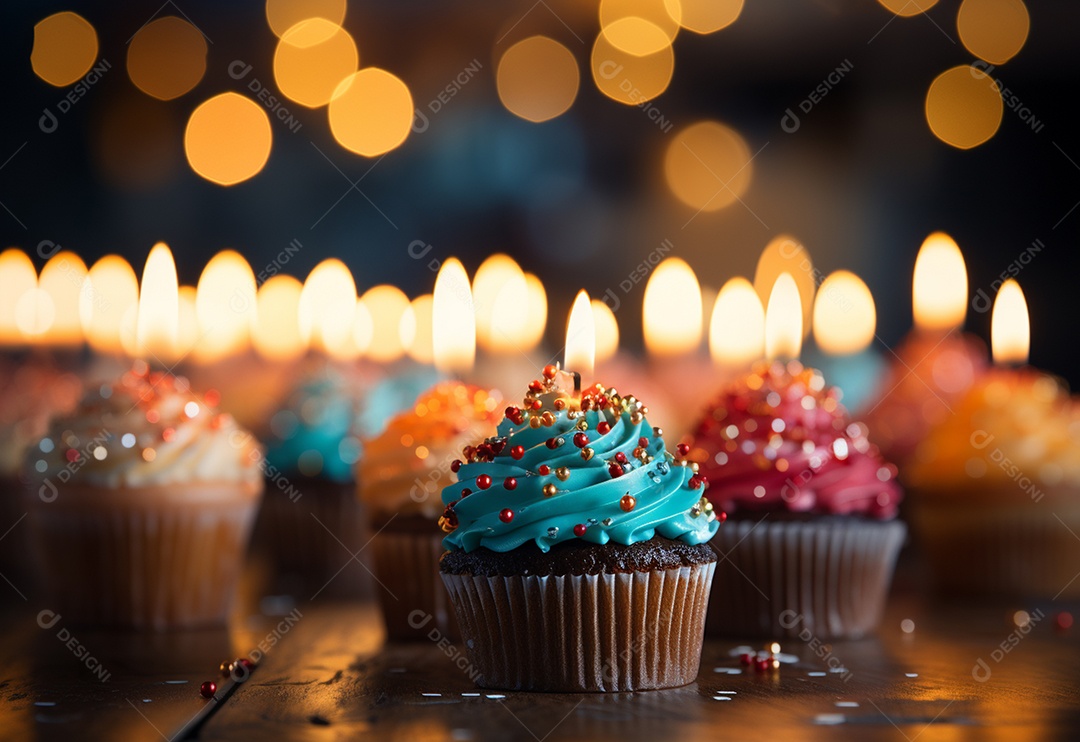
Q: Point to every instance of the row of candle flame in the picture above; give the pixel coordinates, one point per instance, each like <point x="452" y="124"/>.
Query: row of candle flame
<point x="229" y="311"/>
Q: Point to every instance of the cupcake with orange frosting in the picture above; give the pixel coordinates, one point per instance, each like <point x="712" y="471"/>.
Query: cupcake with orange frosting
<point x="400" y="476"/>
<point x="812" y="536"/>
<point x="996" y="490"/>
<point x="140" y="504"/>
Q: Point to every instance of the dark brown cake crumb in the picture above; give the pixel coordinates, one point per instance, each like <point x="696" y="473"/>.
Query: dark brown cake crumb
<point x="578" y="558"/>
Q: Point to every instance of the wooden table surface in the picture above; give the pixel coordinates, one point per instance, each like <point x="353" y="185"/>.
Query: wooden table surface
<point x="330" y="675"/>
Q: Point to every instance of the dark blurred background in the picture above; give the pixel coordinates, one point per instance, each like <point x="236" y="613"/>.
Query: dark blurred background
<point x="580" y="199"/>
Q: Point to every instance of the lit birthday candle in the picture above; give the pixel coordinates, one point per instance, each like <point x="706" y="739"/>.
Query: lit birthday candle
<point x="844" y="326"/>
<point x="936" y="363"/>
<point x="511" y="314"/>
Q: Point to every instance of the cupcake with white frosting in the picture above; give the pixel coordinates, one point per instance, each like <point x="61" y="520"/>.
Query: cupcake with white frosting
<point x="140" y="503"/>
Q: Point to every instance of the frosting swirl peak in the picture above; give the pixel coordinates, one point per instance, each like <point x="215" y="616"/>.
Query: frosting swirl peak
<point x="563" y="468"/>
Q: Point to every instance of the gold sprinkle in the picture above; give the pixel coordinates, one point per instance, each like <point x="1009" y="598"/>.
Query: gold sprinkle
<point x="583" y="424"/>
<point x="563" y="473"/>
<point x="550" y="490"/>
<point x="534" y="422"/>
<point x="636" y="418"/>
<point x="587" y="453"/>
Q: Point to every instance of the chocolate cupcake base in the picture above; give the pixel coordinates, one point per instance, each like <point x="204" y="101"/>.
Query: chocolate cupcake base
<point x="585" y="618"/>
<point x="414" y="601"/>
<point x="1002" y="548"/>
<point x="828" y="576"/>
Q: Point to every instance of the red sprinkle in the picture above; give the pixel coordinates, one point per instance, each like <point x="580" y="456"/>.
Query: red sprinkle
<point x="512" y="412"/>
<point x="544" y="470"/>
<point x="510" y="483"/>
<point x="506" y="515"/>
<point x="643" y="442"/>
<point x="763" y="664"/>
<point x="483" y="481"/>
<point x="722" y="516"/>
<point x="517" y="452"/>
<point x="620" y="457"/>
<point x="455" y="465"/>
<point x="746" y="659"/>
<point x="536" y="386"/>
<point x="615" y="470"/>
<point x="550" y="371"/>
<point x="682" y="449"/>
<point x="536" y="404"/>
<point x="603" y="427"/>
<point x="581" y="440"/>
<point x="694" y="482"/>
<point x="208" y="689"/>
<point x="466" y="492"/>
<point x="1063" y="621"/>
<point x="552" y="443"/>
<point x="579" y="530"/>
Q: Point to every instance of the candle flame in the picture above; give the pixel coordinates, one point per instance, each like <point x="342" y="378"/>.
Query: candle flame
<point x="109" y="297"/>
<point x="363" y="327"/>
<point x="500" y="296"/>
<point x="62" y="279"/>
<point x="420" y="346"/>
<point x="18" y="277"/>
<point x="187" y="326"/>
<point x="672" y="313"/>
<point x="388" y="304"/>
<point x="327" y="305"/>
<point x="453" y="320"/>
<point x="277" y="333"/>
<point x="783" y="320"/>
<point x="845" y="318"/>
<point x="158" y="320"/>
<point x="580" y="354"/>
<point x="34" y="314"/>
<point x="607" y="330"/>
<point x="940" y="285"/>
<point x="785" y="254"/>
<point x="737" y="325"/>
<point x="225" y="305"/>
<point x="1010" y="326"/>
<point x="538" y="309"/>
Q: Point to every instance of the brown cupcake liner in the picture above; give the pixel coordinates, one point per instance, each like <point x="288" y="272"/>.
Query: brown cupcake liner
<point x="157" y="558"/>
<point x="780" y="579"/>
<point x="413" y="599"/>
<point x="583" y="633"/>
<point x="299" y="538"/>
<point x="1000" y="550"/>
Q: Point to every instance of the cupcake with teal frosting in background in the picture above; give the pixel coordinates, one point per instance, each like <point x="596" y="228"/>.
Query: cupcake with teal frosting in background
<point x="577" y="555"/>
<point x="311" y="522"/>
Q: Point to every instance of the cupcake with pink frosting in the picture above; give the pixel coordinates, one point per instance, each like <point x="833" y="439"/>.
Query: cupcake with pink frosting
<point x="140" y="503"/>
<point x="812" y="537"/>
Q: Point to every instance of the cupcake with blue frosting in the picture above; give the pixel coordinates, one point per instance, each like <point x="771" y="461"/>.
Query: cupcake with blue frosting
<point x="577" y="555"/>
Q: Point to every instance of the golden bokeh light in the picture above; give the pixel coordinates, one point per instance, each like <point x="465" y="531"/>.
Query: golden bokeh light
<point x="65" y="47"/>
<point x="737" y="325"/>
<point x="363" y="331"/>
<point x="580" y="353"/>
<point x="387" y="304"/>
<point x="18" y="277"/>
<point x="453" y="320"/>
<point x="277" y="333"/>
<point x="311" y="59"/>
<point x="785" y="254"/>
<point x="157" y="325"/>
<point x="964" y="107"/>
<point x="537" y="79"/>
<point x="994" y="30"/>
<point x="707" y="166"/>
<point x="420" y="332"/>
<point x="34" y="314"/>
<point x="107" y="303"/>
<point x="327" y="305"/>
<point x="607" y="331"/>
<point x="845" y="317"/>
<point x="939" y="291"/>
<point x="187" y="322"/>
<point x="371" y="112"/>
<point x="62" y="279"/>
<point x="167" y="57"/>
<point x="225" y="305"/>
<point x="228" y="139"/>
<point x="672" y="311"/>
<point x="501" y="315"/>
<point x="662" y="16"/>
<point x="783" y="320"/>
<point x="908" y="8"/>
<point x="707" y="16"/>
<point x="629" y="79"/>
<point x="536" y="323"/>
<point x="284" y="14"/>
<point x="1010" y="327"/>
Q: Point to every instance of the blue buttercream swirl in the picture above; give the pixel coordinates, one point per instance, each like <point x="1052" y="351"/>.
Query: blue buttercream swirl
<point x="666" y="496"/>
